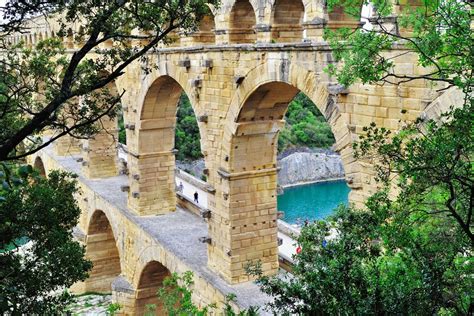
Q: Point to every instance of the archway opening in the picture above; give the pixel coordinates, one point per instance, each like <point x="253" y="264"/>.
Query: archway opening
<point x="166" y="135"/>
<point x="102" y="250"/>
<point x="205" y="33"/>
<point x="279" y="126"/>
<point x="39" y="166"/>
<point x="242" y="22"/>
<point x="151" y="279"/>
<point x="287" y="21"/>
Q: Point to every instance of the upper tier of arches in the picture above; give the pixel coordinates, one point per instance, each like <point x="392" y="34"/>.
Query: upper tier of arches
<point x="235" y="22"/>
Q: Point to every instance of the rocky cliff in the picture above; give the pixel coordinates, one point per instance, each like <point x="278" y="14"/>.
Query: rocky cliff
<point x="305" y="167"/>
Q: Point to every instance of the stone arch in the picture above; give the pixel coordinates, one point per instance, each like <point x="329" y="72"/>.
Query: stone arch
<point x="245" y="207"/>
<point x="152" y="164"/>
<point x="151" y="279"/>
<point x="287" y="20"/>
<point x="159" y="106"/>
<point x="39" y="165"/>
<point x="101" y="249"/>
<point x="242" y="20"/>
<point x="315" y="88"/>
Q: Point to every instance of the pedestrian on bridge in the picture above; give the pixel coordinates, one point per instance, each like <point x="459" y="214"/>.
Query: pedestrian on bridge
<point x="196" y="196"/>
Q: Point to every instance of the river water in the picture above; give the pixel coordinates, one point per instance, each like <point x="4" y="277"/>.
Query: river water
<point x="312" y="201"/>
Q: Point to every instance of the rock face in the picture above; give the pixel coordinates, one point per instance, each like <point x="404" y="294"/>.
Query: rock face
<point x="304" y="167"/>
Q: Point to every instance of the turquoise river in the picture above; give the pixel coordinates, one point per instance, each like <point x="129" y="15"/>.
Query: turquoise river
<point x="312" y="201"/>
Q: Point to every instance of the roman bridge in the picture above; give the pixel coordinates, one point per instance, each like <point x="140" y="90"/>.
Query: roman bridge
<point x="240" y="71"/>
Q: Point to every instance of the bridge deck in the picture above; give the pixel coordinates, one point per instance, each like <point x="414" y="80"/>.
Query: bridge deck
<point x="178" y="232"/>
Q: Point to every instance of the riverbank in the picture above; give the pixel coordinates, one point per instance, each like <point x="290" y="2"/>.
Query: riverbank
<point x="312" y="182"/>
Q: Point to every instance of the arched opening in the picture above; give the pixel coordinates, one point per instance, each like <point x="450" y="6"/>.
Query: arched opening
<point x="154" y="164"/>
<point x="205" y="33"/>
<point x="242" y="22"/>
<point x="40" y="167"/>
<point x="287" y="22"/>
<point x="338" y="18"/>
<point x="151" y="279"/>
<point x="102" y="250"/>
<point x="251" y="176"/>
<point x="290" y="127"/>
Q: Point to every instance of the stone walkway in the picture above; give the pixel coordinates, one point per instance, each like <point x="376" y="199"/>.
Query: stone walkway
<point x="177" y="232"/>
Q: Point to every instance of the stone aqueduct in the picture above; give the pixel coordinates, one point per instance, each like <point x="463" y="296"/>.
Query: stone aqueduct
<point x="240" y="71"/>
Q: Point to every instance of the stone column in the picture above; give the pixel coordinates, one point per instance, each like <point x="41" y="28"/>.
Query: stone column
<point x="123" y="293"/>
<point x="264" y="34"/>
<point x="244" y="229"/>
<point x="243" y="223"/>
<point x="67" y="145"/>
<point x="152" y="168"/>
<point x="152" y="183"/>
<point x="99" y="153"/>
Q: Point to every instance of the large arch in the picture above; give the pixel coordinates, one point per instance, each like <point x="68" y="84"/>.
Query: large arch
<point x="102" y="250"/>
<point x="287" y="20"/>
<point x="245" y="208"/>
<point x="242" y="20"/>
<point x="151" y="279"/>
<point x="152" y="158"/>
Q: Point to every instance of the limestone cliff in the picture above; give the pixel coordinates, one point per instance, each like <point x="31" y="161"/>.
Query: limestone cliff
<point x="304" y="167"/>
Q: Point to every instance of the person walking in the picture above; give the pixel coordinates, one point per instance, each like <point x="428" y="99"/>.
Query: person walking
<point x="196" y="196"/>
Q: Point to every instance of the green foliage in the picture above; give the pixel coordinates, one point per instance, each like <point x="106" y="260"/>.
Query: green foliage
<point x="187" y="138"/>
<point x="121" y="127"/>
<point x="44" y="211"/>
<point x="432" y="163"/>
<point x="40" y="86"/>
<point x="441" y="36"/>
<point x="113" y="308"/>
<point x="305" y="126"/>
<point x="176" y="295"/>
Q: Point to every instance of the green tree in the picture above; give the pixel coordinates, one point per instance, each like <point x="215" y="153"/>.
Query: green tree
<point x="40" y="85"/>
<point x="439" y="33"/>
<point x="33" y="279"/>
<point x="406" y="253"/>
